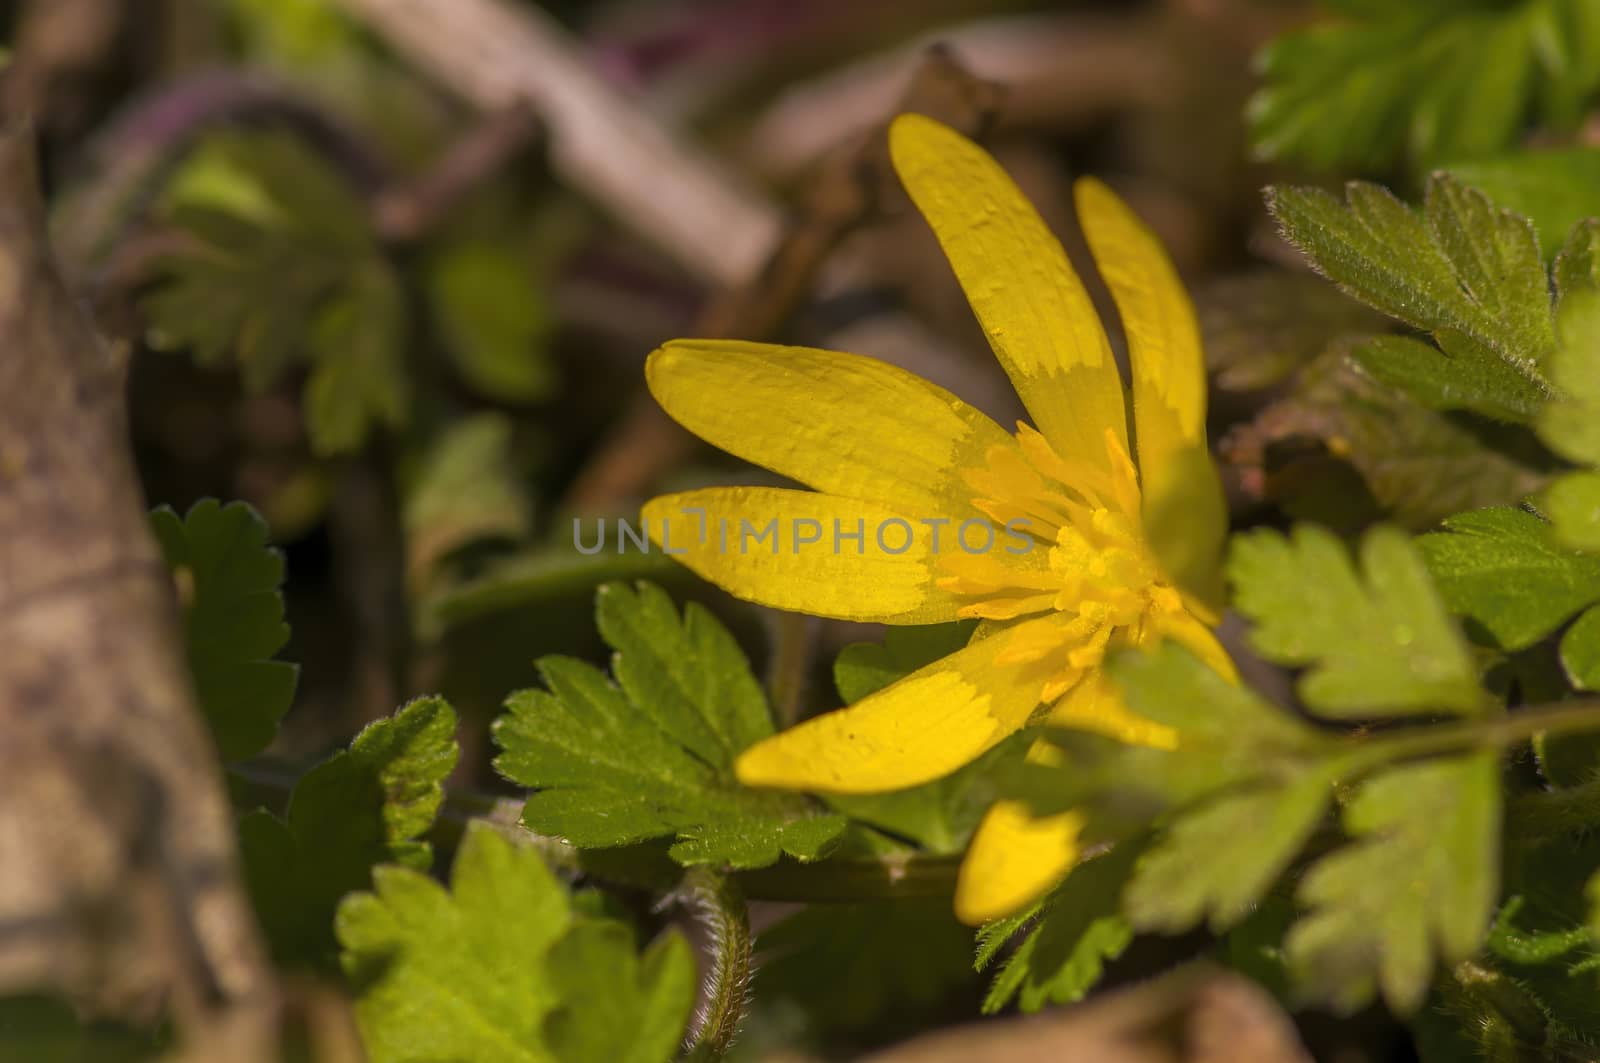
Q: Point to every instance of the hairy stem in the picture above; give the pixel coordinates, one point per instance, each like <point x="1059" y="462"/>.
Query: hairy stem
<point x="718" y="907"/>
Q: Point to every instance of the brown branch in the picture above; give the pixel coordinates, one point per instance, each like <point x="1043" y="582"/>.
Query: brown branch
<point x="846" y="193"/>
<point x="118" y="874"/>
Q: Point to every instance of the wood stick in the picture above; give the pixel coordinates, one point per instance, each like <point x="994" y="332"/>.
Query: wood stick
<point x="497" y="56"/>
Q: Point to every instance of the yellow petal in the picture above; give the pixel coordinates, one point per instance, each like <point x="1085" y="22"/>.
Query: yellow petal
<point x="840" y="423"/>
<point x="808" y="552"/>
<point x="1169" y="377"/>
<point x="1198" y="639"/>
<point x="1184" y="514"/>
<point x="913" y="731"/>
<point x="1015" y="858"/>
<point x="1027" y="297"/>
<point x="1094" y="704"/>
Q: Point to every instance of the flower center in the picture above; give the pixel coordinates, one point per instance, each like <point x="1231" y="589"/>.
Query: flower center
<point x="1076" y="553"/>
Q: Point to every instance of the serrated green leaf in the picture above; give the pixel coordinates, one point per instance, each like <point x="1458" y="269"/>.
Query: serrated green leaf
<point x="1417" y="887"/>
<point x="1462" y="376"/>
<point x="1424" y="83"/>
<point x="620" y="1007"/>
<point x="1580" y="651"/>
<point x="1555" y="189"/>
<point x="1573" y="505"/>
<point x="487" y="304"/>
<point x="651" y="756"/>
<point x="1066" y="939"/>
<point x="1502" y="569"/>
<point x="368" y="805"/>
<point x="853" y="966"/>
<point x="457" y="974"/>
<point x="1377" y="642"/>
<point x="230" y="582"/>
<point x="1462" y="269"/>
<point x="501" y="967"/>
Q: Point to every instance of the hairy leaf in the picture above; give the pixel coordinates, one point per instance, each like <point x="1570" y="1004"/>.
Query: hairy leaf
<point x="230" y="584"/>
<point x="1462" y="269"/>
<point x="1501" y="568"/>
<point x="1377" y="641"/>
<point x="651" y="755"/>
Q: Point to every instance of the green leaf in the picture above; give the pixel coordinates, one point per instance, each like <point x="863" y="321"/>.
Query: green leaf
<point x="1066" y="939"/>
<point x="1502" y="569"/>
<point x="1555" y="189"/>
<point x="1573" y="504"/>
<point x="1425" y="83"/>
<point x="487" y="305"/>
<point x="465" y="489"/>
<point x="368" y="805"/>
<point x="500" y="967"/>
<point x="278" y="266"/>
<point x="1464" y="376"/>
<point x="651" y="755"/>
<point x="1215" y="863"/>
<point x="457" y="974"/>
<point x="620" y="1007"/>
<point x="1577" y="266"/>
<point x="855" y="966"/>
<point x="1571" y="424"/>
<point x="1462" y="269"/>
<point x="1418" y="886"/>
<point x="230" y="584"/>
<point x="360" y="382"/>
<point x="864" y="668"/>
<point x="1580" y="651"/>
<point x="1378" y="642"/>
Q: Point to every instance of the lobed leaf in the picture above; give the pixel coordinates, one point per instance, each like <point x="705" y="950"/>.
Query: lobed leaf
<point x="1376" y="641"/>
<point x="651" y="755"/>
<point x="230" y="588"/>
<point x="500" y="967"/>
<point x="368" y="805"/>
<point x="1417" y="888"/>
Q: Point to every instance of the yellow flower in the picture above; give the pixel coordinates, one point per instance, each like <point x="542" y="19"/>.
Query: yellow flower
<point x="1084" y="551"/>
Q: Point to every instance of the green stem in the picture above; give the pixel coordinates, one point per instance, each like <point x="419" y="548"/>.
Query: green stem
<point x="1462" y="736"/>
<point x="719" y="908"/>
